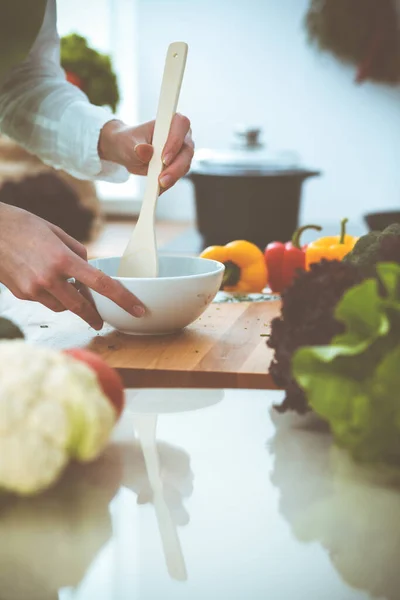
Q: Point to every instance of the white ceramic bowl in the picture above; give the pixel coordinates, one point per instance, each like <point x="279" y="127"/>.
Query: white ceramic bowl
<point x="177" y="297"/>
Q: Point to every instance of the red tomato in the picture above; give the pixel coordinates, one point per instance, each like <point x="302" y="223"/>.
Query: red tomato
<point x="74" y="79"/>
<point x="109" y="380"/>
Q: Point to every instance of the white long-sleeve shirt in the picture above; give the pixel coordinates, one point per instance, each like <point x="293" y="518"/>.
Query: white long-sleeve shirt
<point x="51" y="117"/>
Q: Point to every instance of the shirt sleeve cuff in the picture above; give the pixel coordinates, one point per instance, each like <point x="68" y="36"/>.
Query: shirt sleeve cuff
<point x="77" y="145"/>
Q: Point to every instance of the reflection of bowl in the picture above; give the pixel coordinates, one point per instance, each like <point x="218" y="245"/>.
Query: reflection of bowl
<point x="380" y="220"/>
<point x="177" y="297"/>
<point x="161" y="402"/>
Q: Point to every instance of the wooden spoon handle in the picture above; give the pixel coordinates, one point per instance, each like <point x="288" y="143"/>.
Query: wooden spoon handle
<point x="170" y="89"/>
<point x="140" y="256"/>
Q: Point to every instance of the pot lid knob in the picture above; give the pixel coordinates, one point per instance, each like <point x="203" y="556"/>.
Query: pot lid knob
<point x="249" y="136"/>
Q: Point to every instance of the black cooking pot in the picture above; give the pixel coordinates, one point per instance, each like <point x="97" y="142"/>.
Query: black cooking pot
<point x="247" y="193"/>
<point x="380" y="220"/>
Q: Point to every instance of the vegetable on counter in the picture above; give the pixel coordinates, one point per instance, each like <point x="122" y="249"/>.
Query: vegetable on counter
<point x="284" y="260"/>
<point x="245" y="268"/>
<point x="374" y="247"/>
<point x="53" y="408"/>
<point x="331" y="247"/>
<point x="9" y="331"/>
<point x="308" y="314"/>
<point x="354" y="382"/>
<point x="307" y="319"/>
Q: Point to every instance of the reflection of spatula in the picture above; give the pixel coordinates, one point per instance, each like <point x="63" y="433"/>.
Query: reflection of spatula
<point x="140" y="257"/>
<point x="146" y="429"/>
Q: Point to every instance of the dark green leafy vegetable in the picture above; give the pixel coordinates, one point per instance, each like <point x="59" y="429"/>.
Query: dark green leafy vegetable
<point x="9" y="331"/>
<point x="354" y="382"/>
<point x="307" y="319"/>
<point x="375" y="247"/>
<point x="94" y="69"/>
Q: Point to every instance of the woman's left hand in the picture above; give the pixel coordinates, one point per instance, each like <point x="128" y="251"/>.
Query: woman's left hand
<point x="131" y="147"/>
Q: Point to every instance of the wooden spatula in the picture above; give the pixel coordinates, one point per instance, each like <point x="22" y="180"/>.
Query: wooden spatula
<point x="140" y="257"/>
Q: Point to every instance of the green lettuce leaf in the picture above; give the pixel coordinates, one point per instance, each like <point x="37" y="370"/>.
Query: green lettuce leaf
<point x="354" y="383"/>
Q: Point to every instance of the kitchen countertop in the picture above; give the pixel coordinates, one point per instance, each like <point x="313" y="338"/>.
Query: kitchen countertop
<point x="225" y="348"/>
<point x="264" y="508"/>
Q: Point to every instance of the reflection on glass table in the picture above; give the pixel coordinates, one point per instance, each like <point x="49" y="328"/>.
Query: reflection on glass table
<point x="50" y="542"/>
<point x="352" y="510"/>
<point x="254" y="505"/>
<point x="166" y="496"/>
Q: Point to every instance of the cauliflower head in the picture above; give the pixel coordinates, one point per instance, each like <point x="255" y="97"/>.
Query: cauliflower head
<point x="52" y="409"/>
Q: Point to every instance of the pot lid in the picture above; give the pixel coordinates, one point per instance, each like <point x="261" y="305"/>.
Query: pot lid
<point x="247" y="152"/>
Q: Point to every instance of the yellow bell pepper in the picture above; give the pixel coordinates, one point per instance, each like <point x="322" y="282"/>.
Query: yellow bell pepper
<point x="330" y="248"/>
<point x="245" y="268"/>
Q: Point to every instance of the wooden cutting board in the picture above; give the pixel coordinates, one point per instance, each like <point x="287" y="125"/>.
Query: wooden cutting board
<point x="225" y="348"/>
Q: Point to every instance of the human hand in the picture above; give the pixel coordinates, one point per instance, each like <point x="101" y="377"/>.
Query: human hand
<point x="36" y="260"/>
<point x="131" y="147"/>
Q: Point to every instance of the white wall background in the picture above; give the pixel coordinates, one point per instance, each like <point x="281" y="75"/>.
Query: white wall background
<point x="249" y="61"/>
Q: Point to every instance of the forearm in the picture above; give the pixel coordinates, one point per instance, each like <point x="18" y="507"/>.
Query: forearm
<point x="52" y="118"/>
<point x="58" y="126"/>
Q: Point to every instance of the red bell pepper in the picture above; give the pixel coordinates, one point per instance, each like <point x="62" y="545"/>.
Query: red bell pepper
<point x="283" y="260"/>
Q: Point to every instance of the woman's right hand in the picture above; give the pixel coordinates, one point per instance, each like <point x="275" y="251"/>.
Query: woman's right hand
<point x="37" y="259"/>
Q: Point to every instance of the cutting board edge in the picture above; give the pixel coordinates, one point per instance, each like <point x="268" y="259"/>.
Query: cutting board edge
<point x="155" y="378"/>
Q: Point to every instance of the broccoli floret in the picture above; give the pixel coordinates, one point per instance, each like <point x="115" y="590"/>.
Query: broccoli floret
<point x="368" y="250"/>
<point x="390" y="249"/>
